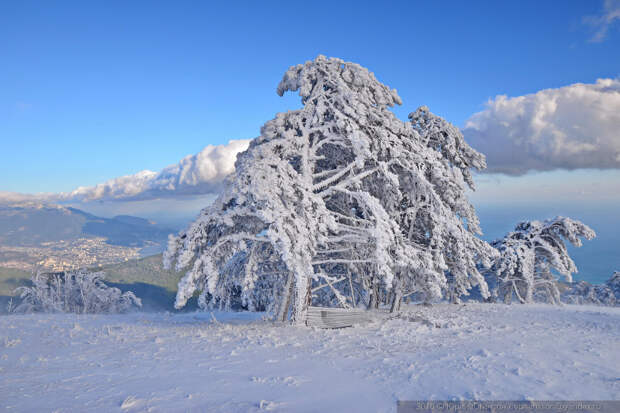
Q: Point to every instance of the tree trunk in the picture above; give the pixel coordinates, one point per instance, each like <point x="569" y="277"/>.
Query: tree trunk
<point x="286" y="299"/>
<point x="371" y="301"/>
<point x="391" y="296"/>
<point x="303" y="299"/>
<point x="529" y="293"/>
<point x="508" y="294"/>
<point x="351" y="288"/>
<point x="554" y="294"/>
<point x="374" y="299"/>
<point x="395" y="302"/>
<point x="377" y="295"/>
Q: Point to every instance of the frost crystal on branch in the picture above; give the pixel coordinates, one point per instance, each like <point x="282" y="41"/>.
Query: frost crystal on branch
<point x="339" y="203"/>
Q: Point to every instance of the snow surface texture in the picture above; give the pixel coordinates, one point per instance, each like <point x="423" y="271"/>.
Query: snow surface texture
<point x="235" y="362"/>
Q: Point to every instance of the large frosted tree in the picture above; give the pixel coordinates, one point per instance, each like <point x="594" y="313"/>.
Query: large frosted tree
<point x="337" y="203"/>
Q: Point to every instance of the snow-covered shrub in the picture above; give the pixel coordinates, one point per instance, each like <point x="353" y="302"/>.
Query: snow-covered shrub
<point x="73" y="292"/>
<point x="533" y="256"/>
<point x="585" y="293"/>
<point x="339" y="203"/>
<point x="614" y="284"/>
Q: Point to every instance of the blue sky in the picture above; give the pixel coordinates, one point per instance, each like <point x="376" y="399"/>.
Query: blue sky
<point x="94" y="90"/>
<point x="90" y="91"/>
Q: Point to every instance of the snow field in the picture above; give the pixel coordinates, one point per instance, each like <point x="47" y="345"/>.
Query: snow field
<point x="236" y="362"/>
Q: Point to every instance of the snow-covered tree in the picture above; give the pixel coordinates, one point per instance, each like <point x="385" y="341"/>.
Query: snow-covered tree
<point x="614" y="284"/>
<point x="337" y="203"/>
<point x="583" y="292"/>
<point x="73" y="292"/>
<point x="533" y="255"/>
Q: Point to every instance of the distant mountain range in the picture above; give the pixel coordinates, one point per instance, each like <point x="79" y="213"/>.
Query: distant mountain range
<point x="33" y="224"/>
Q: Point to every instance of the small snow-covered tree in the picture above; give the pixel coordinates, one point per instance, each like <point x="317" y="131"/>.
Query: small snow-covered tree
<point x="73" y="292"/>
<point x="614" y="284"/>
<point x="532" y="253"/>
<point x="337" y="203"/>
<point x="583" y="292"/>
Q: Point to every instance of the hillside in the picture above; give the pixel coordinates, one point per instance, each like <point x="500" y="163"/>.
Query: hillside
<point x="10" y="279"/>
<point x="148" y="279"/>
<point x="147" y="270"/>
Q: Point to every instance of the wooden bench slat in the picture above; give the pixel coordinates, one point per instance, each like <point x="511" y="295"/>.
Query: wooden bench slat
<point x="326" y="317"/>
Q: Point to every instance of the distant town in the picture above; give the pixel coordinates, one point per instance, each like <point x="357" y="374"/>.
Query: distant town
<point x="57" y="238"/>
<point x="66" y="255"/>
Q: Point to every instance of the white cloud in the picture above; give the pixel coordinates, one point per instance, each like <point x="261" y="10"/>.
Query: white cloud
<point x="576" y="126"/>
<point x="602" y="23"/>
<point x="16" y="197"/>
<point x="198" y="174"/>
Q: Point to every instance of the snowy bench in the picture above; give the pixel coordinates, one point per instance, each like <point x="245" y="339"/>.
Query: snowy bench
<point x="325" y="317"/>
